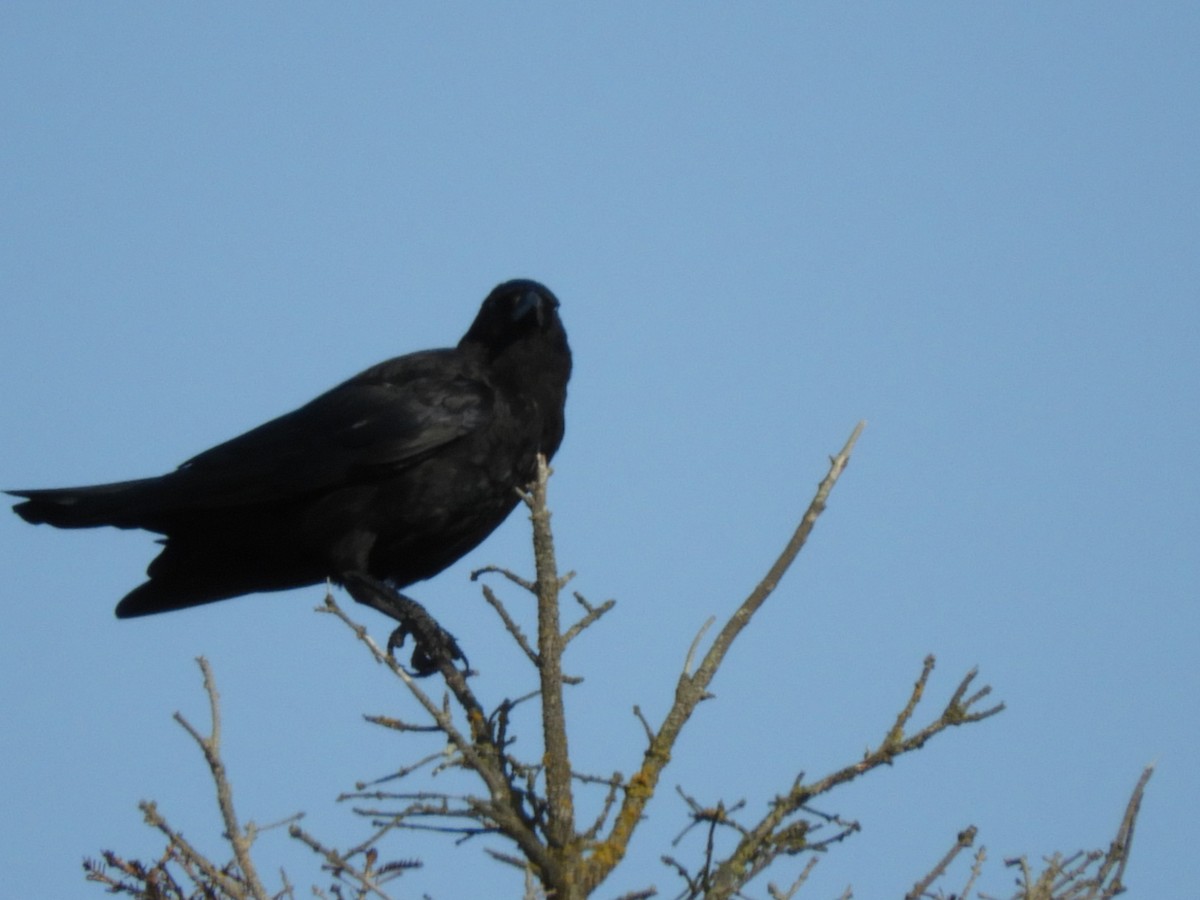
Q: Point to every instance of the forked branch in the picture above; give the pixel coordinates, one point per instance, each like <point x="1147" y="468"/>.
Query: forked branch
<point x="692" y="687"/>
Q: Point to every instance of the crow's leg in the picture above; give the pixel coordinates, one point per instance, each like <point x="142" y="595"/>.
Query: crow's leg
<point x="432" y="643"/>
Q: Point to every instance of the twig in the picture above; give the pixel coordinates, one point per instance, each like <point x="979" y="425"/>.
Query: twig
<point x="511" y="576"/>
<point x="1118" y="851"/>
<point x="976" y="871"/>
<point x="691" y="654"/>
<point x="509" y="623"/>
<point x="188" y="854"/>
<point x="790" y="890"/>
<point x="592" y="614"/>
<point x="481" y="753"/>
<point x="339" y="865"/>
<point x="966" y="838"/>
<point x="240" y="840"/>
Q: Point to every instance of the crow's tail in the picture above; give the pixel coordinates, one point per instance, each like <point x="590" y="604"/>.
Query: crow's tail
<point x="125" y="504"/>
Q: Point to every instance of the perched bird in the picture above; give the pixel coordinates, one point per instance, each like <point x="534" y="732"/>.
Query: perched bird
<point x="383" y="481"/>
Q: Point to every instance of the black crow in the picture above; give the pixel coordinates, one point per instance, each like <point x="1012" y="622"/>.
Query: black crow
<point x="381" y="482"/>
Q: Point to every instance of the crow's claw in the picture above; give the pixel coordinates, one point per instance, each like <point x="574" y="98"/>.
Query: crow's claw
<point x="431" y="643"/>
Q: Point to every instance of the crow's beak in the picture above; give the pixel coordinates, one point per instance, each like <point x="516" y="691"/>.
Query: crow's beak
<point x="530" y="302"/>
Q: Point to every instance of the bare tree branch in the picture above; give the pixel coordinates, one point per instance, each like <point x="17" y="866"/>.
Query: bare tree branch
<point x="367" y="880"/>
<point x="1113" y="869"/>
<point x="560" y="829"/>
<point x="481" y="752"/>
<point x="966" y="838"/>
<point x="239" y="839"/>
<point x="692" y="688"/>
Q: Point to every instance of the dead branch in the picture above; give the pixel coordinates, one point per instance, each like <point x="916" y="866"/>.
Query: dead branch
<point x="239" y="839"/>
<point x="692" y="688"/>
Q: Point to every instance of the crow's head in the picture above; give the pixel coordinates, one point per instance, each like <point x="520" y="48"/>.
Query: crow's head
<point x="513" y="311"/>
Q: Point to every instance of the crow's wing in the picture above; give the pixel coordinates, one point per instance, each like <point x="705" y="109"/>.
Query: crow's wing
<point x="367" y="428"/>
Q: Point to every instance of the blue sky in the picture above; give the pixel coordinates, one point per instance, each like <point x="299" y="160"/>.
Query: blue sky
<point x="976" y="226"/>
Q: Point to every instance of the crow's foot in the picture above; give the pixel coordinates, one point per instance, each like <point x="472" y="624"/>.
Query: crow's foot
<point x="432" y="644"/>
